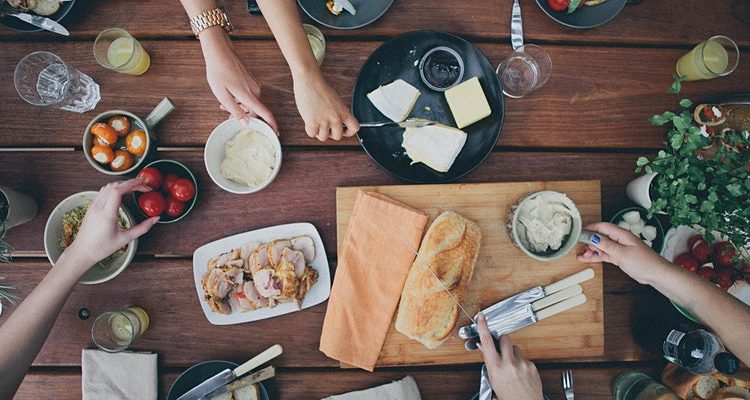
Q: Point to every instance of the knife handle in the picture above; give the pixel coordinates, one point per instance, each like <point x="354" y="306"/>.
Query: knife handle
<point x="262" y="358"/>
<point x="574" y="279"/>
<point x="564" y="305"/>
<point x="556" y="297"/>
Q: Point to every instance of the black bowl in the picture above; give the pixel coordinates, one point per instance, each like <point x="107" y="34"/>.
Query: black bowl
<point x="585" y="17"/>
<point x="199" y="373"/>
<point x="17" y="25"/>
<point x="179" y="169"/>
<point x="368" y="11"/>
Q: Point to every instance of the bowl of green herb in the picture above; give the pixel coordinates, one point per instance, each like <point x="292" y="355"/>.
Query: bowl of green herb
<point x="63" y="225"/>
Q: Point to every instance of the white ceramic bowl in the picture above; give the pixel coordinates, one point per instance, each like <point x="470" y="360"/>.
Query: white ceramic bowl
<point x="570" y="240"/>
<point x="214" y="152"/>
<point x="53" y="232"/>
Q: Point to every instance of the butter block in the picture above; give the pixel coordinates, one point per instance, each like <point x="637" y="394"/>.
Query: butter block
<point x="436" y="146"/>
<point x="395" y="100"/>
<point x="467" y="102"/>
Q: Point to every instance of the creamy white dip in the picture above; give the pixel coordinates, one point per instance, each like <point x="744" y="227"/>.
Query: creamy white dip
<point x="249" y="158"/>
<point x="544" y="223"/>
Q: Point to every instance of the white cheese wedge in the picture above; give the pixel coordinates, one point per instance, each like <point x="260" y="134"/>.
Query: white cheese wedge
<point x="467" y="102"/>
<point x="395" y="100"/>
<point x="436" y="146"/>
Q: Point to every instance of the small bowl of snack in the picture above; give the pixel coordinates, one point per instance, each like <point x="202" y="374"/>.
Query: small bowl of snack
<point x="649" y="230"/>
<point x="545" y="225"/>
<point x="175" y="191"/>
<point x="63" y="225"/>
<point x="117" y="142"/>
<point x="243" y="159"/>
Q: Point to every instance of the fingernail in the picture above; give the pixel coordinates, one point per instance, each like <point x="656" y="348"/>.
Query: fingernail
<point x="480" y="316"/>
<point x="596" y="253"/>
<point x="595" y="239"/>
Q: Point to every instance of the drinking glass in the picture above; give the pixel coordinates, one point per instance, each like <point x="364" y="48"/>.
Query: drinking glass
<point x="317" y="42"/>
<point x="116" y="330"/>
<point x="634" y="385"/>
<point x="115" y="49"/>
<point x="717" y="56"/>
<point x="525" y="70"/>
<point x="44" y="79"/>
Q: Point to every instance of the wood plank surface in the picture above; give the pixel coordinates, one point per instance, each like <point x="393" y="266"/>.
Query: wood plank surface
<point x="51" y="176"/>
<point x="582" y="106"/>
<point x="686" y="22"/>
<point x="591" y="382"/>
<point x="182" y="336"/>
<point x="501" y="270"/>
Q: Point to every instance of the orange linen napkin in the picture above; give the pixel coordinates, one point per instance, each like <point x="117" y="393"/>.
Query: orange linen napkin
<point x="371" y="271"/>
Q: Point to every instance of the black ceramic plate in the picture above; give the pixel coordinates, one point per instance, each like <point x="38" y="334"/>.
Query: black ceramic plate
<point x="399" y="58"/>
<point x="16" y="24"/>
<point x="585" y="17"/>
<point x="199" y="373"/>
<point x="368" y="11"/>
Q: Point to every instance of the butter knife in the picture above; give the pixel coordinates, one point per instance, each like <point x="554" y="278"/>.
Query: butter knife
<point x="37" y="20"/>
<point x="516" y="26"/>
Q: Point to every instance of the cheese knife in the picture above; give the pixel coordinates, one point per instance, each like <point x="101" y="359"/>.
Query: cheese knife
<point x="220" y="380"/>
<point x="36" y="20"/>
<point x="409" y="123"/>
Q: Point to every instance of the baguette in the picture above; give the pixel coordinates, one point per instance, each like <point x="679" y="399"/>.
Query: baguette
<point x="740" y="378"/>
<point x="732" y="393"/>
<point x="427" y="313"/>
<point x="681" y="382"/>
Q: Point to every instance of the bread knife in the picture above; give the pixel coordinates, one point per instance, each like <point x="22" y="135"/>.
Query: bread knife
<point x="37" y="20"/>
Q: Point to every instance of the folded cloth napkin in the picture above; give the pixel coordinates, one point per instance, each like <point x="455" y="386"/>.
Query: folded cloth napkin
<point x="114" y="376"/>
<point x="369" y="278"/>
<point x="405" y="389"/>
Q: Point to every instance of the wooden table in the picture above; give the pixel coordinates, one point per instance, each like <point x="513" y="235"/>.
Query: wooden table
<point x="589" y="122"/>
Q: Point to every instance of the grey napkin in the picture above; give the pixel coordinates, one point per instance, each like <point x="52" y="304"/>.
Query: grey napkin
<point x="405" y="389"/>
<point x="114" y="376"/>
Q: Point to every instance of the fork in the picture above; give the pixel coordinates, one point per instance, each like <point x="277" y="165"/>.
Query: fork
<point x="567" y="384"/>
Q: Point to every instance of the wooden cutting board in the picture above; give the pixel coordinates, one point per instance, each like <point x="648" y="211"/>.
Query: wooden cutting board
<point x="501" y="270"/>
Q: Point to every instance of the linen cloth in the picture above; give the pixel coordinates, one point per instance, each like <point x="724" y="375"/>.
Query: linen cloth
<point x="405" y="389"/>
<point x="114" y="376"/>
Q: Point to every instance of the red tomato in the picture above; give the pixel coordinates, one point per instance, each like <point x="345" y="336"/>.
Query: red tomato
<point x="151" y="176"/>
<point x="725" y="277"/>
<point x="692" y="240"/>
<point x="706" y="273"/>
<point x="169" y="181"/>
<point x="701" y="250"/>
<point x="724" y="254"/>
<point x="183" y="189"/>
<point x="687" y="262"/>
<point x="175" y="208"/>
<point x="558" y="5"/>
<point x="152" y="203"/>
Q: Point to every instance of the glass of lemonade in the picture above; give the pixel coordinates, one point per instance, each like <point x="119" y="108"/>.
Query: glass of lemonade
<point x="525" y="70"/>
<point x="317" y="42"/>
<point x="116" y="330"/>
<point x="115" y="49"/>
<point x="717" y="56"/>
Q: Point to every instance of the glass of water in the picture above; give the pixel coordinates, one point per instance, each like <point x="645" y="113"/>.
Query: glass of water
<point x="44" y="79"/>
<point x="525" y="70"/>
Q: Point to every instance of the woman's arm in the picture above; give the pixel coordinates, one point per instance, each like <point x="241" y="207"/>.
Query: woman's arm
<point x="322" y="109"/>
<point x="24" y="333"/>
<point x="727" y="316"/>
<point x="234" y="86"/>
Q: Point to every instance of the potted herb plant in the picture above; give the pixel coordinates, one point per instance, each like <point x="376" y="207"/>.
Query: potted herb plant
<point x="701" y="177"/>
<point x="16" y="208"/>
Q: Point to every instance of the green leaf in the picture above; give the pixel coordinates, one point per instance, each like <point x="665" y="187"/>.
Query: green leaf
<point x="641" y="161"/>
<point x="685" y="103"/>
<point x="676" y="141"/>
<point x="735" y="189"/>
<point x="680" y="123"/>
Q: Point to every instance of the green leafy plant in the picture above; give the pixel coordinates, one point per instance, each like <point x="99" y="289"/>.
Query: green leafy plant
<point x="677" y="84"/>
<point x="6" y="293"/>
<point x="703" y="176"/>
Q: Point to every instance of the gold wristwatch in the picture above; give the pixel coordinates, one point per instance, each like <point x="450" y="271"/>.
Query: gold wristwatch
<point x="206" y="19"/>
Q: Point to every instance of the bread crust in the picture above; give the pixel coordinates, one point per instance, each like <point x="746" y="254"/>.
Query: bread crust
<point x="450" y="247"/>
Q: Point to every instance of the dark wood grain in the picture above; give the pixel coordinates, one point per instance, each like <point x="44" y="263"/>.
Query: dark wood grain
<point x="182" y="335"/>
<point x="688" y="22"/>
<point x="597" y="97"/>
<point x="51" y="176"/>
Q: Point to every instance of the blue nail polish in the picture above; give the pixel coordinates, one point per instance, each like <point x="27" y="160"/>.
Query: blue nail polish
<point x="595" y="239"/>
<point x="596" y="253"/>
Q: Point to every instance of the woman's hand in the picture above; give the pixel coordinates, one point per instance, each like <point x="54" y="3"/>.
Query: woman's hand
<point x="322" y="109"/>
<point x="234" y="86"/>
<point x="617" y="246"/>
<point x="100" y="234"/>
<point x="512" y="377"/>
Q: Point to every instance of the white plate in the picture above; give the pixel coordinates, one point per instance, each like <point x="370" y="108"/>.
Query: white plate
<point x="317" y="294"/>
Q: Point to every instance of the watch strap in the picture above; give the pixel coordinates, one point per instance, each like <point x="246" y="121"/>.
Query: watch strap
<point x="213" y="17"/>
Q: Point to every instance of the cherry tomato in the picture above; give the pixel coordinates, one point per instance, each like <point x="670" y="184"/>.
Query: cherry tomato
<point x="183" y="189"/>
<point x="687" y="262"/>
<point x="724" y="254"/>
<point x="706" y="273"/>
<point x="725" y="277"/>
<point x="558" y="5"/>
<point x="701" y="250"/>
<point x="168" y="183"/>
<point x="151" y="176"/>
<point x="152" y="203"/>
<point x="692" y="240"/>
<point x="175" y="208"/>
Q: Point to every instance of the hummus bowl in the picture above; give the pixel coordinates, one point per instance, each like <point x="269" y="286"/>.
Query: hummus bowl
<point x="545" y="225"/>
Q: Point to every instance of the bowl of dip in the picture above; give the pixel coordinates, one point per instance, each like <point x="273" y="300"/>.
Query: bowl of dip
<point x="545" y="225"/>
<point x="243" y="159"/>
